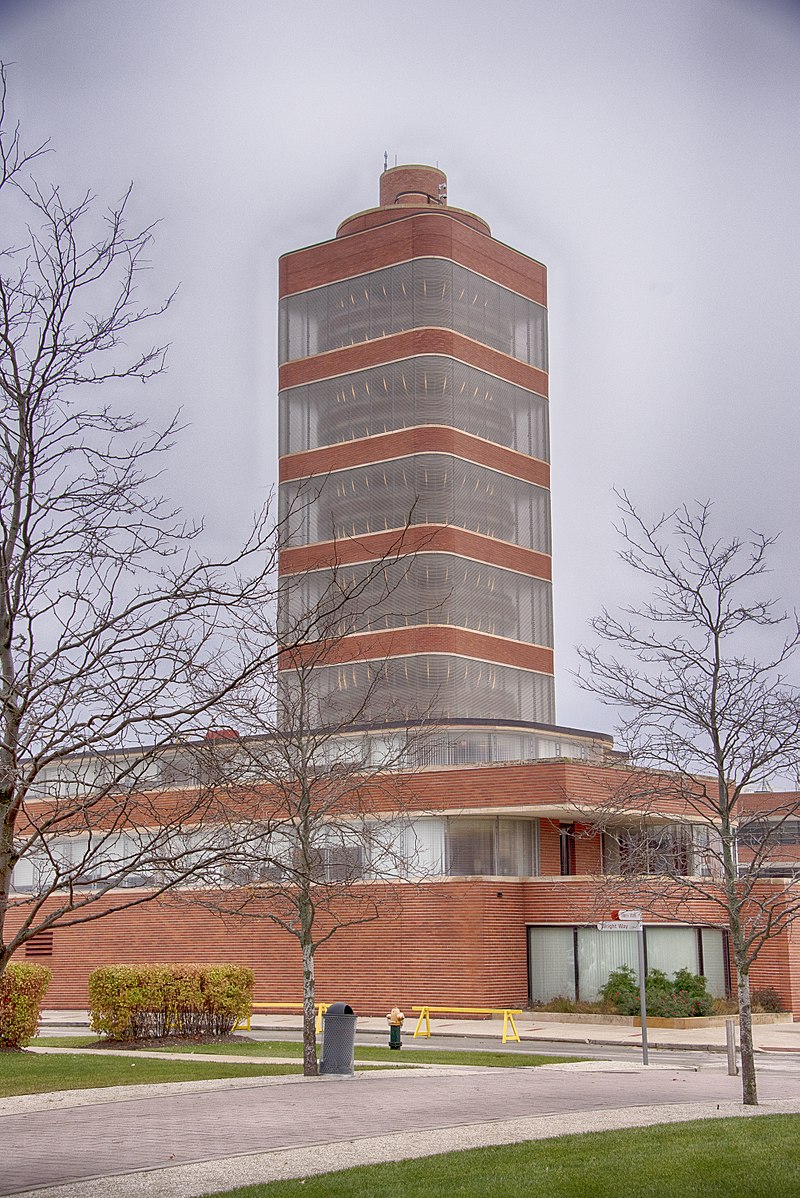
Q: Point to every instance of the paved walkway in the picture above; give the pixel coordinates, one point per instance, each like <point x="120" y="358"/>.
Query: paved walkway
<point x="193" y="1138"/>
<point x="199" y="1137"/>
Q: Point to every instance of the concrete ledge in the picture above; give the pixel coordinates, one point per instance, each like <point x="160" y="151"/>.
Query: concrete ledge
<point x="564" y="1017"/>
<point x="653" y="1020"/>
<point x="711" y="1020"/>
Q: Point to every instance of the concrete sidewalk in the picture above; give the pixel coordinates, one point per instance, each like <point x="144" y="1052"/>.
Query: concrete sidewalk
<point x="774" y="1037"/>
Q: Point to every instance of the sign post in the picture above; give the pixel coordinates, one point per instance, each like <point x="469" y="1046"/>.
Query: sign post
<point x="643" y="995"/>
<point x="631" y="921"/>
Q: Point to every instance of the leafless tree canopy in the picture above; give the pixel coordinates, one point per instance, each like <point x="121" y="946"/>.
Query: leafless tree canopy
<point x="119" y="639"/>
<point x="699" y="675"/>
<point x="330" y="833"/>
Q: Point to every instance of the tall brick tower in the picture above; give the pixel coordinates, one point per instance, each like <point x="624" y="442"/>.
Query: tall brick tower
<point x="413" y="385"/>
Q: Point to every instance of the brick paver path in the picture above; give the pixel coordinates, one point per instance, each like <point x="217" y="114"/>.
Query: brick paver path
<point x="51" y="1147"/>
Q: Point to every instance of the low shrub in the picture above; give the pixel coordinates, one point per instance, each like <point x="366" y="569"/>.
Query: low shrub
<point x="677" y="1004"/>
<point x="681" y="997"/>
<point x="142" y="1002"/>
<point x="690" y="983"/>
<point x="692" y="992"/>
<point x="568" y="1006"/>
<point x="657" y="981"/>
<point x="559" y="1005"/>
<point x="767" y="1001"/>
<point x="621" y="991"/>
<point x="22" y="988"/>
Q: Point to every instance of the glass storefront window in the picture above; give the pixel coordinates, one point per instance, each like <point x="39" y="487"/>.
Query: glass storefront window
<point x="558" y="954"/>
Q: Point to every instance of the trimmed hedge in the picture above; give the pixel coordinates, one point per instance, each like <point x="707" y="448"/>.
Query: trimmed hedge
<point x="143" y="1002"/>
<point x="22" y="988"/>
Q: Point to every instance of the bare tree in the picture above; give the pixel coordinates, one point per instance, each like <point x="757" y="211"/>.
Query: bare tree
<point x="321" y="777"/>
<point x="118" y="638"/>
<point x="698" y="673"/>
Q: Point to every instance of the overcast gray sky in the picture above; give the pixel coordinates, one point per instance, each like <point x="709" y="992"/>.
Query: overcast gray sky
<point x="645" y="150"/>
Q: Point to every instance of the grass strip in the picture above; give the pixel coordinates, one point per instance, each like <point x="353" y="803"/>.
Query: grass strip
<point x="373" y="1053"/>
<point x="715" y="1158"/>
<point x="504" y="1059"/>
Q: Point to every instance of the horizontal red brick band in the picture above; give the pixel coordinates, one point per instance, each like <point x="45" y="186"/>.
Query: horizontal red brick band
<point x="420" y="538"/>
<point x="412" y="343"/>
<point x="425" y="638"/>
<point x="453" y="938"/>
<point x="426" y="438"/>
<point x="428" y="234"/>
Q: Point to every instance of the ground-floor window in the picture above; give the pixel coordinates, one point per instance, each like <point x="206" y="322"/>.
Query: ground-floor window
<point x="574" y="962"/>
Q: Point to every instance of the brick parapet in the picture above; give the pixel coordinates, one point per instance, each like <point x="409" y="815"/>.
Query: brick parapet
<point x="432" y="233"/>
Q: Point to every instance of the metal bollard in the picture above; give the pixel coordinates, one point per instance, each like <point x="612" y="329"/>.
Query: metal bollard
<point x="730" y="1041"/>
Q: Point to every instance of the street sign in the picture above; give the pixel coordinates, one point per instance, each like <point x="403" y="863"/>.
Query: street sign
<point x="631" y="921"/>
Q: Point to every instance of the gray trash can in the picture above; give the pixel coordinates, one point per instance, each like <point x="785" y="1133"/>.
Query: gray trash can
<point x="338" y="1040"/>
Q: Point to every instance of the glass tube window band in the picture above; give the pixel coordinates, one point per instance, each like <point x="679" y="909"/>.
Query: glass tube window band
<point x="436" y="489"/>
<point x="423" y="686"/>
<point x="430" y="389"/>
<point x="422" y="589"/>
<point x="422" y="293"/>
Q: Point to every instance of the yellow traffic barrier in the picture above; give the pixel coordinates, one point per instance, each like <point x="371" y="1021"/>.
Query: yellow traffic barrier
<point x="321" y="1008"/>
<point x="509" y="1026"/>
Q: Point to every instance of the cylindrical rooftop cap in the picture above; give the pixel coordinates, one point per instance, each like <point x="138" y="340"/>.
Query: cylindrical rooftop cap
<point x="413" y="186"/>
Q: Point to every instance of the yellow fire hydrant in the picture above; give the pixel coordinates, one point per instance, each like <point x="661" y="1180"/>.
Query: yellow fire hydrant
<point x="395" y="1019"/>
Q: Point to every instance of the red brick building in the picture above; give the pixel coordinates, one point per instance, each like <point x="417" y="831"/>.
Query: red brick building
<point x="413" y="390"/>
<point x="413" y="400"/>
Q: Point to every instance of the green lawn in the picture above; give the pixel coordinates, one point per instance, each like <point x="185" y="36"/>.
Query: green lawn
<point x="293" y="1048"/>
<point x="34" y="1073"/>
<point x="716" y="1158"/>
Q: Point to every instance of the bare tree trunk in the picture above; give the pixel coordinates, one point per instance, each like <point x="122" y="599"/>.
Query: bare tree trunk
<point x="310" y="1067"/>
<point x="742" y="963"/>
<point x="749" y="1089"/>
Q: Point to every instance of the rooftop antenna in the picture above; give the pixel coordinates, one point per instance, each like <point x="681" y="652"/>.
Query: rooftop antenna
<point x="386" y="160"/>
<point x="395" y="160"/>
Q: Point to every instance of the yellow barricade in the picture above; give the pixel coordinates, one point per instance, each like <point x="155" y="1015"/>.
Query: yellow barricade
<point x="509" y="1026"/>
<point x="321" y="1008"/>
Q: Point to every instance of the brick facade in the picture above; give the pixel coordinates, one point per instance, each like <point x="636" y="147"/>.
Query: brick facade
<point x="452" y="940"/>
<point x="460" y="941"/>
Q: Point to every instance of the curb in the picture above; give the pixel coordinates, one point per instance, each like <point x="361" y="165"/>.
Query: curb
<point x="657" y="1045"/>
<point x="529" y="1040"/>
